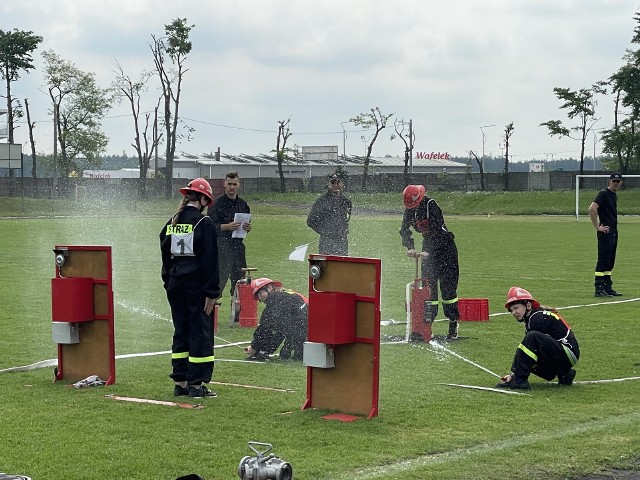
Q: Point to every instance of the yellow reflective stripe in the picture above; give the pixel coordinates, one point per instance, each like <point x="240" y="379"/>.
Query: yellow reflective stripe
<point x="607" y="273"/>
<point x="600" y="274"/>
<point x="449" y="302"/>
<point x="181" y="228"/>
<point x="572" y="358"/>
<point x="180" y="355"/>
<point x="528" y="352"/>
<point x="435" y="302"/>
<point x="202" y="359"/>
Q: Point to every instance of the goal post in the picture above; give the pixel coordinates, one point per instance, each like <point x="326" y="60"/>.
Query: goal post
<point x="578" y="177"/>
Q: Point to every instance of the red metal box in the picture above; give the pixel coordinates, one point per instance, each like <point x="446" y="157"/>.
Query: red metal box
<point x="473" y="309"/>
<point x="72" y="299"/>
<point x="332" y="317"/>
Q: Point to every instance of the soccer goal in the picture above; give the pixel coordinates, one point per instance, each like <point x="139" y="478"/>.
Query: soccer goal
<point x="578" y="177"/>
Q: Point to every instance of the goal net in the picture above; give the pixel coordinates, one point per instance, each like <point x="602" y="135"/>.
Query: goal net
<point x="597" y="184"/>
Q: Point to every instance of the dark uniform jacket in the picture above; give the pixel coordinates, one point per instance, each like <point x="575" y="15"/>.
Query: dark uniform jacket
<point x="607" y="201"/>
<point x="329" y="216"/>
<point x="204" y="262"/>
<point x="552" y="324"/>
<point x="284" y="318"/>
<point x="223" y="210"/>
<point x="428" y="220"/>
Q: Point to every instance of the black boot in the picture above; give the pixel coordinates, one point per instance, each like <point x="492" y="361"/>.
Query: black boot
<point x="600" y="288"/>
<point x="608" y="287"/>
<point x="453" y="330"/>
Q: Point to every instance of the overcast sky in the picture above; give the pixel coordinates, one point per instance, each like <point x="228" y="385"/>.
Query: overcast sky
<point x="450" y="67"/>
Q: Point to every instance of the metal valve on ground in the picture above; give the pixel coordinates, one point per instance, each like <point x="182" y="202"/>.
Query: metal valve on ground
<point x="263" y="467"/>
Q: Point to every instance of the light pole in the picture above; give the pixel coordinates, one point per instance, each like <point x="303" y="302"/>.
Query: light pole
<point x="484" y="138"/>
<point x="344" y="142"/>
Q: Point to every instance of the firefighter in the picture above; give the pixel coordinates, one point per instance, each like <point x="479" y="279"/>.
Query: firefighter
<point x="329" y="217"/>
<point x="603" y="213"/>
<point x="549" y="347"/>
<point x="190" y="275"/>
<point x="440" y="264"/>
<point x="284" y="319"/>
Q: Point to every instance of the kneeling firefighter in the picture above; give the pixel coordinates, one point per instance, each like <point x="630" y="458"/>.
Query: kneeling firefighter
<point x="284" y="319"/>
<point x="549" y="347"/>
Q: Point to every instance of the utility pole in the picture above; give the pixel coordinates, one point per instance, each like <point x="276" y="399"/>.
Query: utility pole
<point x="411" y="146"/>
<point x="484" y="138"/>
<point x="344" y="142"/>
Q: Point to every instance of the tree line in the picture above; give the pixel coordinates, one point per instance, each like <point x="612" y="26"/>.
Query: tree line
<point x="78" y="106"/>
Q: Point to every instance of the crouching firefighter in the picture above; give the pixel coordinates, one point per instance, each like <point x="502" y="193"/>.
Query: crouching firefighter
<point x="549" y="347"/>
<point x="284" y="319"/>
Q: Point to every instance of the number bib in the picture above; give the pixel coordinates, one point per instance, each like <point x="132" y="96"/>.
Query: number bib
<point x="182" y="239"/>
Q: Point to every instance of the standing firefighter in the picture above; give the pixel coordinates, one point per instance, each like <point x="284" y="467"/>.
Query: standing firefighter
<point x="284" y="319"/>
<point x="329" y="217"/>
<point x="190" y="276"/>
<point x="440" y="267"/>
<point x="603" y="212"/>
<point x="549" y="347"/>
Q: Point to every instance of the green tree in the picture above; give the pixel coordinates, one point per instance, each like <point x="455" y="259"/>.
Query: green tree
<point x="376" y="120"/>
<point x="623" y="140"/>
<point x="79" y="105"/>
<point x="282" y="152"/>
<point x="146" y="135"/>
<point x="176" y="46"/>
<point x="580" y="105"/>
<point x="16" y="48"/>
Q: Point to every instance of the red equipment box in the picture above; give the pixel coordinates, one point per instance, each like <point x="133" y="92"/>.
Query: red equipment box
<point x="332" y="318"/>
<point x="420" y="324"/>
<point x="72" y="299"/>
<point x="474" y="309"/>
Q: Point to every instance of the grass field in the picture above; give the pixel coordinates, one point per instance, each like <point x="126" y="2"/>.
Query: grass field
<point x="424" y="429"/>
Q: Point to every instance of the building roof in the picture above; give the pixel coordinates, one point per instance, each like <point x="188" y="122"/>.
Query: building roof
<point x="352" y="161"/>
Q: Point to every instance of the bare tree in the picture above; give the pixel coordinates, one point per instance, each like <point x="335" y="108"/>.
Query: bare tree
<point x="376" y="120"/>
<point x="480" y="167"/>
<point x="145" y="142"/>
<point x="281" y="149"/>
<point x="508" y="131"/>
<point x="32" y="142"/>
<point x="405" y="133"/>
<point x="176" y="46"/>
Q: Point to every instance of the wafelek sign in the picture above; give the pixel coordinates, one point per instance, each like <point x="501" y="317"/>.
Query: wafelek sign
<point x="433" y="156"/>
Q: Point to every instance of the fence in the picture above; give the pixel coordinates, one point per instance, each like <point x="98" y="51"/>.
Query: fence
<point x="129" y="187"/>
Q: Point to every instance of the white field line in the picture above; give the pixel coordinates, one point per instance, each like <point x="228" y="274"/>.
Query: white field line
<point x="487" y="389"/>
<point x="54" y="361"/>
<point x="451" y="352"/>
<point x="396" y="469"/>
<point x="599" y="304"/>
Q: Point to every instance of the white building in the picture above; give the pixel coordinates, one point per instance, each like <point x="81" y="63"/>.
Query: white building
<point x="257" y="166"/>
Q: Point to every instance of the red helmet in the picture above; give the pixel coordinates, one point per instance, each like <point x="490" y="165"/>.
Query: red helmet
<point x="259" y="283"/>
<point x="413" y="195"/>
<point x="517" y="294"/>
<point x="199" y="185"/>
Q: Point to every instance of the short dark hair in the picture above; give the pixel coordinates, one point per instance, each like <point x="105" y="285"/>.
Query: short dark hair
<point x="232" y="174"/>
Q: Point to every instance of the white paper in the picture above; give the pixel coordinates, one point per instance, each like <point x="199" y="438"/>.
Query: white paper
<point x="299" y="253"/>
<point x="242" y="218"/>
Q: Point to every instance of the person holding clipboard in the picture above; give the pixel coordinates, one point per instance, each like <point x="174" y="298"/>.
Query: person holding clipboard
<point x="231" y="217"/>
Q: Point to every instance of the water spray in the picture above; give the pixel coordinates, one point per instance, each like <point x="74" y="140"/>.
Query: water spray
<point x="438" y="345"/>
